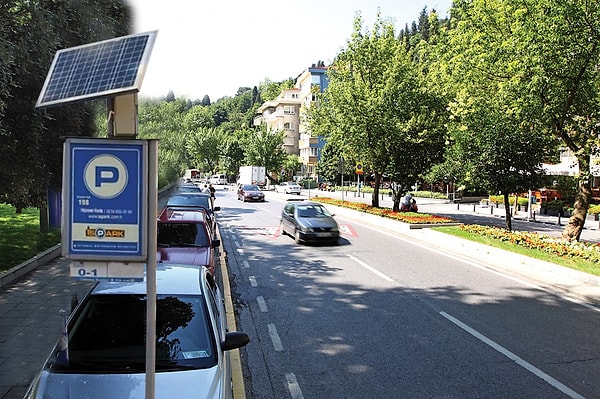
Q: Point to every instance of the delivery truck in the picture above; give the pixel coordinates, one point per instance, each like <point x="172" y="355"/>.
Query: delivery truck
<point x="252" y="175"/>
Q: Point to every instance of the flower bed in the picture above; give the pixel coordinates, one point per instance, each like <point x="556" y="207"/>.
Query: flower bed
<point x="555" y="246"/>
<point x="406" y="217"/>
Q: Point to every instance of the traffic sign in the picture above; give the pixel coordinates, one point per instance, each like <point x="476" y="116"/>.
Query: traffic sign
<point x="105" y="184"/>
<point x="359" y="168"/>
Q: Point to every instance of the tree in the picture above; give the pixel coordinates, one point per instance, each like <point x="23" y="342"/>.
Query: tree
<point x="376" y="109"/>
<point x="31" y="32"/>
<point x="265" y="148"/>
<point x="291" y="165"/>
<point x="204" y="146"/>
<point x="497" y="151"/>
<point x="549" y="51"/>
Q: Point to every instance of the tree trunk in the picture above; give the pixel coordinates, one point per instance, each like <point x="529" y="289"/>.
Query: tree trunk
<point x="507" y="212"/>
<point x="573" y="229"/>
<point x="44" y="220"/>
<point x="375" y="197"/>
<point x="396" y="196"/>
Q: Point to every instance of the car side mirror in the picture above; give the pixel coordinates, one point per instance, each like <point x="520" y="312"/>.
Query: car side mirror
<point x="215" y="243"/>
<point x="235" y="340"/>
<point x="216" y="208"/>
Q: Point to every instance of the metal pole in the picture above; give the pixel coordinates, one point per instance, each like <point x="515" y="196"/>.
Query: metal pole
<point x="151" y="268"/>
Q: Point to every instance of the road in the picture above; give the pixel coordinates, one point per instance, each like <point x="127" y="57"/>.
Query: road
<point x="323" y="301"/>
<point x="380" y="316"/>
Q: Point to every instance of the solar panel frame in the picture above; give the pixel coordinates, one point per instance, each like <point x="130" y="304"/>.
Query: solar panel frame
<point x="101" y="69"/>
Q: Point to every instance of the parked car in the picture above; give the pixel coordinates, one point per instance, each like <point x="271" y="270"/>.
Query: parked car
<point x="186" y="236"/>
<point x="188" y="188"/>
<point x="309" y="221"/>
<point x="289" y="187"/>
<point x="102" y="354"/>
<point x="250" y="192"/>
<point x="197" y="201"/>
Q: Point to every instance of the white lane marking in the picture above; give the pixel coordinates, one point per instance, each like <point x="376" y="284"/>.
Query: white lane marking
<point x="369" y="268"/>
<point x="526" y="365"/>
<point x="246" y="264"/>
<point x="262" y="304"/>
<point x="240" y="251"/>
<point x="236" y="243"/>
<point x="475" y="263"/>
<point x="275" y="338"/>
<point x="293" y="386"/>
<point x="253" y="281"/>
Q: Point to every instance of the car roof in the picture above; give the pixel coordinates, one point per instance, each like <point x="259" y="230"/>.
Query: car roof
<point x="303" y="202"/>
<point x="170" y="279"/>
<point x="179" y="214"/>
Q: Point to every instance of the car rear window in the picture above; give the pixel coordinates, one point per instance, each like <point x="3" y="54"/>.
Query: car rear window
<point x="182" y="234"/>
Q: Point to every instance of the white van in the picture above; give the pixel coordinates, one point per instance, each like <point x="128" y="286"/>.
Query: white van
<point x="218" y="179"/>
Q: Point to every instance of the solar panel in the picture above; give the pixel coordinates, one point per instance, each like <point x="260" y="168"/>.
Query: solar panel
<point x="107" y="68"/>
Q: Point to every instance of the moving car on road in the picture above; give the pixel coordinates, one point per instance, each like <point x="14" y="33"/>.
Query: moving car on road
<point x="309" y="221"/>
<point x="250" y="192"/>
<point x="102" y="354"/>
<point x="289" y="187"/>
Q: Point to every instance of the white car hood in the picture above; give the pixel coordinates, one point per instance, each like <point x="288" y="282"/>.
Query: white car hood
<point x="180" y="384"/>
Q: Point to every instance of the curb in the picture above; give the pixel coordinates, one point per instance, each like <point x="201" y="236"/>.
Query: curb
<point x="20" y="270"/>
<point x="237" y="376"/>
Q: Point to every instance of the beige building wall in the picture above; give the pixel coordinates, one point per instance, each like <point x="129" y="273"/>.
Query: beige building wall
<point x="283" y="114"/>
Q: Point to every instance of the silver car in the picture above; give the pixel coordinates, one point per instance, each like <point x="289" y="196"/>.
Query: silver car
<point x="309" y="221"/>
<point x="104" y="354"/>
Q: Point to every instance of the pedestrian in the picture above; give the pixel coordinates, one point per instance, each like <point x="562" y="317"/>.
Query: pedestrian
<point x="212" y="191"/>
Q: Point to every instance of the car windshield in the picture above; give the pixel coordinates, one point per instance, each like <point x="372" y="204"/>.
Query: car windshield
<point x="312" y="211"/>
<point x="251" y="187"/>
<point x="108" y="335"/>
<point x="182" y="234"/>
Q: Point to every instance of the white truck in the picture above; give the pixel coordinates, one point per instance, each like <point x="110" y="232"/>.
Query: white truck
<point x="253" y="175"/>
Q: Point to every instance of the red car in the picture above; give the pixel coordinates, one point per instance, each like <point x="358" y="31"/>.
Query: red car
<point x="185" y="236"/>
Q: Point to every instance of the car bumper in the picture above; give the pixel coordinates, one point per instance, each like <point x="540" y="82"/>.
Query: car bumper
<point x="319" y="236"/>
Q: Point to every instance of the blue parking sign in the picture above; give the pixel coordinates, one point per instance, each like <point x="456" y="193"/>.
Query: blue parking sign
<point x="105" y="189"/>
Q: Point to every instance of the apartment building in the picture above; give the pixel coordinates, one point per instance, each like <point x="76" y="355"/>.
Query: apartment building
<point x="311" y="82"/>
<point x="286" y="113"/>
<point x="283" y="114"/>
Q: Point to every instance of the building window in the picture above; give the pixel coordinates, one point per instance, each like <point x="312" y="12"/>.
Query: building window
<point x="288" y="126"/>
<point x="289" y="110"/>
<point x="294" y="95"/>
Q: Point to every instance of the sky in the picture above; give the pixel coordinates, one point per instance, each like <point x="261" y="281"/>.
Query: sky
<point x="212" y="48"/>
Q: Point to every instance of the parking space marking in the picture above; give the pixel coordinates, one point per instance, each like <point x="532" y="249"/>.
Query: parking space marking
<point x="253" y="281"/>
<point x="275" y="338"/>
<point x="262" y="305"/>
<point x="246" y="264"/>
<point x="293" y="386"/>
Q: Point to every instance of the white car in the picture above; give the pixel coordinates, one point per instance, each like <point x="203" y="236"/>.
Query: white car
<point x="102" y="354"/>
<point x="289" y="188"/>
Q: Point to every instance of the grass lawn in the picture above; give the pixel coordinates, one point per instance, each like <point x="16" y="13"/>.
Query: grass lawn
<point x="20" y="237"/>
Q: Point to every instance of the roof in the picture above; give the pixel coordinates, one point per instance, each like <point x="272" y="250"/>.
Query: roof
<point x="170" y="279"/>
<point x="175" y="214"/>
